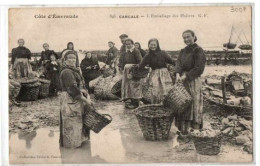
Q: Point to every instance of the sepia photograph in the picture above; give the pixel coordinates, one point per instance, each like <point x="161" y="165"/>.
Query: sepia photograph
<point x="131" y="84"/>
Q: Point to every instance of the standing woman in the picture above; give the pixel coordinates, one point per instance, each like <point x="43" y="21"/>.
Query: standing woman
<point x="159" y="81"/>
<point x="131" y="88"/>
<point x="74" y="98"/>
<point x="90" y="68"/>
<point x="138" y="46"/>
<point x="20" y="60"/>
<point x="70" y="47"/>
<point x="190" y="66"/>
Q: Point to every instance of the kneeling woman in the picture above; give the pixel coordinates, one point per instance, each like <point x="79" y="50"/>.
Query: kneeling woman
<point x="72" y="128"/>
<point x="131" y="88"/>
<point x="190" y="66"/>
<point x="159" y="81"/>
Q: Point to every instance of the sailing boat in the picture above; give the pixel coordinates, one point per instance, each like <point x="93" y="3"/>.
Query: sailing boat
<point x="230" y="45"/>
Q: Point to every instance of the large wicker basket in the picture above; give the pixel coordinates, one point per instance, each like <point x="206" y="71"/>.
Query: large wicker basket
<point x="94" y="120"/>
<point x="178" y="98"/>
<point x="207" y="145"/>
<point x="116" y="89"/>
<point x="29" y="91"/>
<point x="44" y="88"/>
<point x="155" y="121"/>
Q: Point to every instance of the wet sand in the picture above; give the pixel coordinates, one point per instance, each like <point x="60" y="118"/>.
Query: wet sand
<point x="120" y="142"/>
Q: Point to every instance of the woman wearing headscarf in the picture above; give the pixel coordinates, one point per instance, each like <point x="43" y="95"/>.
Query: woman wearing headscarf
<point x="52" y="74"/>
<point x="70" y="47"/>
<point x="131" y="91"/>
<point x="159" y="81"/>
<point x="74" y="101"/>
<point x="20" y="60"/>
<point x="90" y="68"/>
<point x="138" y="46"/>
<point x="190" y="66"/>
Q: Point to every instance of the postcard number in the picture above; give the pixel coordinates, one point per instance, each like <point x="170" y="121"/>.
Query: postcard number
<point x="238" y="9"/>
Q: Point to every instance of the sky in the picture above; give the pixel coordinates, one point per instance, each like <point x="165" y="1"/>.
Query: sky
<point x="95" y="26"/>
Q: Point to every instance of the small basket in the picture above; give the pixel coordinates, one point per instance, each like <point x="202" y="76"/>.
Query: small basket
<point x="147" y="95"/>
<point x="106" y="72"/>
<point x="116" y="89"/>
<point x="155" y="121"/>
<point x="44" y="88"/>
<point x="29" y="91"/>
<point x="94" y="120"/>
<point x="178" y="98"/>
<point x="207" y="145"/>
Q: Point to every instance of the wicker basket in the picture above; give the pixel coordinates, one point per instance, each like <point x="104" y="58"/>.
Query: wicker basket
<point x="207" y="145"/>
<point x="147" y="95"/>
<point x="44" y="88"/>
<point x="116" y="89"/>
<point x="178" y="98"/>
<point x="106" y="72"/>
<point x="94" y="120"/>
<point x="155" y="121"/>
<point x="29" y="91"/>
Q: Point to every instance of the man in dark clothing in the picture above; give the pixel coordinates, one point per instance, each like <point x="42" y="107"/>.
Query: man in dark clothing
<point x="123" y="47"/>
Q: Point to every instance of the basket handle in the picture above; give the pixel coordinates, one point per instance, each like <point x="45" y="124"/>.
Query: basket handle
<point x="109" y="117"/>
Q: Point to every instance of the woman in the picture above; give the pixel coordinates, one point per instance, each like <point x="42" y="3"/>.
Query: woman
<point x="73" y="101"/>
<point x="112" y="56"/>
<point x="90" y="68"/>
<point x="131" y="91"/>
<point x="45" y="56"/>
<point x="138" y="46"/>
<point x="190" y="66"/>
<point x="20" y="61"/>
<point x="52" y="74"/>
<point x="70" y="47"/>
<point x="159" y="81"/>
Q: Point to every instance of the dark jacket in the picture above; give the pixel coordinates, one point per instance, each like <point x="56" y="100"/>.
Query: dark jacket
<point x="20" y="52"/>
<point x="87" y="73"/>
<point x="45" y="55"/>
<point x="115" y="53"/>
<point x="192" y="61"/>
<point x="156" y="60"/>
<point x="52" y="74"/>
<point x="129" y="57"/>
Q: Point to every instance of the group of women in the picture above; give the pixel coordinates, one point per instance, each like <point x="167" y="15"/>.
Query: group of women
<point x="74" y="77"/>
<point x="188" y="69"/>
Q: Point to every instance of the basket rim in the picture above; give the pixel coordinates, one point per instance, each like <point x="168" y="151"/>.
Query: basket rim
<point x="138" y="111"/>
<point x="31" y="80"/>
<point x="44" y="80"/>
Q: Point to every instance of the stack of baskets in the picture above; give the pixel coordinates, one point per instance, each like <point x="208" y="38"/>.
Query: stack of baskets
<point x="116" y="89"/>
<point x="178" y="98"/>
<point x="94" y="120"/>
<point x="44" y="88"/>
<point x="30" y="88"/>
<point x="207" y="145"/>
<point x="155" y="121"/>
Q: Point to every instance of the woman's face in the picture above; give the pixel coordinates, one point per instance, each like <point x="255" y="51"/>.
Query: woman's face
<point x="188" y="38"/>
<point x="137" y="46"/>
<point x="88" y="55"/>
<point x="71" y="60"/>
<point x="153" y="45"/>
<point x="128" y="44"/>
<point x="70" y="46"/>
<point x="21" y="43"/>
<point x="110" y="45"/>
<point x="53" y="58"/>
<point x="46" y="46"/>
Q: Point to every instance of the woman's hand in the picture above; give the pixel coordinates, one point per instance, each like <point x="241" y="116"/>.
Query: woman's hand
<point x="88" y="67"/>
<point x="183" y="77"/>
<point x="178" y="78"/>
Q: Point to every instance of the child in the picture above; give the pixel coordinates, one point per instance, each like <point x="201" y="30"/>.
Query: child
<point x="52" y="74"/>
